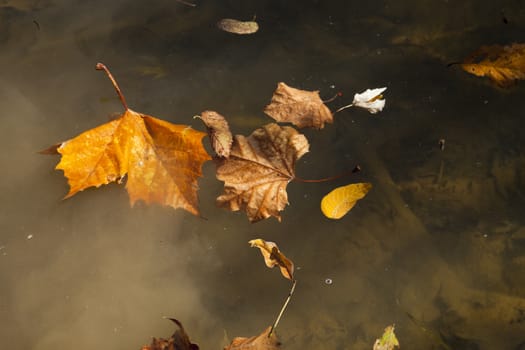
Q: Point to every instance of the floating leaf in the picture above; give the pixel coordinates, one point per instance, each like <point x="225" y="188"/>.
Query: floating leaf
<point x="259" y="169"/>
<point x="162" y="161"/>
<point x="339" y="202"/>
<point x="388" y="340"/>
<point x="219" y="132"/>
<point x="299" y="107"/>
<point x="238" y="27"/>
<point x="370" y="99"/>
<point x="264" y="341"/>
<point x="273" y="256"/>
<point x="503" y="65"/>
<point x="178" y="341"/>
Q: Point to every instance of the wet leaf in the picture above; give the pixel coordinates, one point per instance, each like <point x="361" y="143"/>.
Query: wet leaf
<point x="162" y="161"/>
<point x="259" y="169"/>
<point x="339" y="201"/>
<point x="388" y="340"/>
<point x="260" y="342"/>
<point x="372" y="100"/>
<point x="273" y="257"/>
<point x="219" y="132"/>
<point x="178" y="341"/>
<point x="299" y="107"/>
<point x="503" y="65"/>
<point x="238" y="27"/>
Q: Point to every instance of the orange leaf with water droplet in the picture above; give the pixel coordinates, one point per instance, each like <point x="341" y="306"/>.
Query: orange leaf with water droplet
<point x="162" y="161"/>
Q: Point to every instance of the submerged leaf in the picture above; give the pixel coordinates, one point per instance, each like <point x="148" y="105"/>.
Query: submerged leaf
<point x="273" y="256"/>
<point x="219" y="132"/>
<point x="264" y="341"/>
<point x="339" y="201"/>
<point x="238" y="27"/>
<point x="503" y="65"/>
<point x="388" y="340"/>
<point x="259" y="169"/>
<point x="299" y="107"/>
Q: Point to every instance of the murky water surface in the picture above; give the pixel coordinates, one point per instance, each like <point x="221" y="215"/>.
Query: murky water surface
<point x="437" y="247"/>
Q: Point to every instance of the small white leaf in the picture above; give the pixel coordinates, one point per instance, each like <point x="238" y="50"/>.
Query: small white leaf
<point x="371" y="100"/>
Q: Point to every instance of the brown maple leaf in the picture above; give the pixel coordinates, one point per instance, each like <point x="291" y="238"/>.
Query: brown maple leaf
<point x="299" y="107"/>
<point x="264" y="341"/>
<point x="178" y="341"/>
<point x="503" y="65"/>
<point x="219" y="132"/>
<point x="259" y="169"/>
<point x="162" y="161"/>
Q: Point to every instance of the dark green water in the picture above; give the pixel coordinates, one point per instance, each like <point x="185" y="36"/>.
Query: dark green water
<point x="437" y="247"/>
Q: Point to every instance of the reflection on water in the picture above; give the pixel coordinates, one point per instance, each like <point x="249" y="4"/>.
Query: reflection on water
<point x="437" y="247"/>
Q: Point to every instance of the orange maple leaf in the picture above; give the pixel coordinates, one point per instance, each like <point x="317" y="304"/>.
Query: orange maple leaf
<point x="162" y="161"/>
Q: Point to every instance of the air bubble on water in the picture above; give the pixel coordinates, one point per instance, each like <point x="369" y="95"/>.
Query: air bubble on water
<point x="328" y="281"/>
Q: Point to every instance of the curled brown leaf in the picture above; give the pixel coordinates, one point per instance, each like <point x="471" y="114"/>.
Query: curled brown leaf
<point x="273" y="257"/>
<point x="219" y="132"/>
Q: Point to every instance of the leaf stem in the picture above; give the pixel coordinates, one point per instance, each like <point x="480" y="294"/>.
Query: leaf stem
<point x="101" y="66"/>
<point x="331" y="178"/>
<point x="333" y="97"/>
<point x="343" y="108"/>
<point x="283" y="308"/>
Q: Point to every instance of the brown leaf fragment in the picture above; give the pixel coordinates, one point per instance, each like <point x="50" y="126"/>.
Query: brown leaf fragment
<point x="273" y="256"/>
<point x="503" y="65"/>
<point x="260" y="342"/>
<point x="162" y="161"/>
<point x="259" y="169"/>
<point x="178" y="341"/>
<point x="219" y="132"/>
<point x="237" y="27"/>
<point x="299" y="107"/>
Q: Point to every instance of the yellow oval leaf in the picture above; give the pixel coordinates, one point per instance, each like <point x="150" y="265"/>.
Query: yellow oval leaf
<point x="339" y="202"/>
